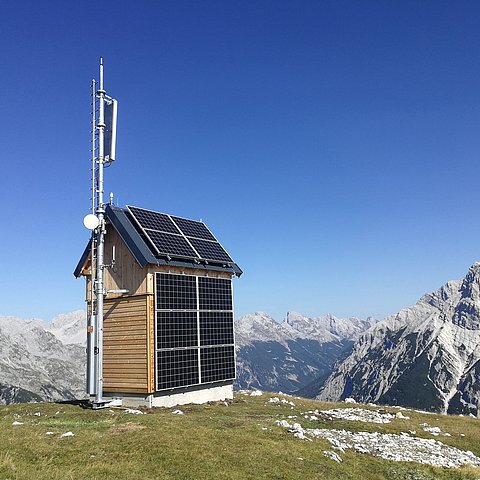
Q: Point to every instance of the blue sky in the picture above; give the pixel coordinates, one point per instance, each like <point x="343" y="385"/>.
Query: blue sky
<point x="332" y="146"/>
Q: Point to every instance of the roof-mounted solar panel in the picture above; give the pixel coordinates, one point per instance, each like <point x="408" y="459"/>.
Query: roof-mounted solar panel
<point x="153" y="220"/>
<point x="210" y="250"/>
<point x="171" y="245"/>
<point x="179" y="237"/>
<point x="192" y="228"/>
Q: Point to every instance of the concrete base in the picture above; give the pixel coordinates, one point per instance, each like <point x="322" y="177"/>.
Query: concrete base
<point x="181" y="396"/>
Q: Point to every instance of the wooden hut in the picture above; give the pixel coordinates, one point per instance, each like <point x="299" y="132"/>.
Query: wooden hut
<point x="168" y="335"/>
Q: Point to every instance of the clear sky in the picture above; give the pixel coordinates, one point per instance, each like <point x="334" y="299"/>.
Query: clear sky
<point x="332" y="146"/>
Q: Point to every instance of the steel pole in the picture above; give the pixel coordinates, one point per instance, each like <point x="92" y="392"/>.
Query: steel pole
<point x="100" y="238"/>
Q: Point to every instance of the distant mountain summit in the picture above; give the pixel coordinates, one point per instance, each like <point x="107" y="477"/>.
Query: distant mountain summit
<point x="69" y="328"/>
<point x="290" y="355"/>
<point x="35" y="365"/>
<point x="426" y="356"/>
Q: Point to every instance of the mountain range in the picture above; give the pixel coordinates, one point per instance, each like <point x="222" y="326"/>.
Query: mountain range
<point x="426" y="356"/>
<point x="35" y="364"/>
<point x="290" y="355"/>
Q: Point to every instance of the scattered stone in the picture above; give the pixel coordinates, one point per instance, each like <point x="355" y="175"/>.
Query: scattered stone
<point x="16" y="424"/>
<point x="282" y="423"/>
<point x="389" y="446"/>
<point x="280" y="400"/>
<point x="299" y="432"/>
<point x="50" y="433"/>
<point x="359" y="415"/>
<point x="333" y="456"/>
<point x="256" y="393"/>
<point x="402" y="416"/>
<point x="132" y="411"/>
<point x="435" y="431"/>
<point x="178" y="412"/>
<point x="350" y="400"/>
<point x="37" y="414"/>
<point x="67" y="434"/>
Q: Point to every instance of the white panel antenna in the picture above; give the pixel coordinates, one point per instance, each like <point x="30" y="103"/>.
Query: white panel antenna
<point x="111" y="109"/>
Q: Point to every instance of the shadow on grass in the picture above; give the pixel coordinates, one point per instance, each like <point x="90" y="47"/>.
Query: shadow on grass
<point x="85" y="404"/>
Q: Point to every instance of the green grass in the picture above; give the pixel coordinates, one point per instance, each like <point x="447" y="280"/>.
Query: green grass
<point x="239" y="441"/>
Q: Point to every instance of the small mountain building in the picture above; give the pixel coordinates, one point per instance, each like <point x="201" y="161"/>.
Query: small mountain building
<point x="168" y="335"/>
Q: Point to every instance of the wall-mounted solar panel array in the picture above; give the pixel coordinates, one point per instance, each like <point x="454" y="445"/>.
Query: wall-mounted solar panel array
<point x="194" y="330"/>
<point x="179" y="237"/>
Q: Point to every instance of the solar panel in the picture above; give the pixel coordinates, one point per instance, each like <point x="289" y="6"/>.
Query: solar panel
<point x="216" y="328"/>
<point x="177" y="330"/>
<point x="215" y="293"/>
<point x="176" y="292"/>
<point x="177" y="368"/>
<point x="191" y="228"/>
<point x="153" y="220"/>
<point x="217" y="363"/>
<point x="194" y="321"/>
<point x="169" y="244"/>
<point x="179" y="237"/>
<point x="210" y="250"/>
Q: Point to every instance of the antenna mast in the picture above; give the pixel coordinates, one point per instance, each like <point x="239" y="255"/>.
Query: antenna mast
<point x="100" y="211"/>
<point x="103" y="153"/>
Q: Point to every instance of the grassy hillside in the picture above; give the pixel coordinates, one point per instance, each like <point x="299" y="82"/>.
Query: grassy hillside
<point x="240" y="440"/>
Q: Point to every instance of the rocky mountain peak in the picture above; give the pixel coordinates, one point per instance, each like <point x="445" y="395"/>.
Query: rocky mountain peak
<point x="426" y="356"/>
<point x="467" y="311"/>
<point x="70" y="327"/>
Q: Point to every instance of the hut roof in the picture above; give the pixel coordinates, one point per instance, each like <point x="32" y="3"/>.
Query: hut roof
<point x="162" y="239"/>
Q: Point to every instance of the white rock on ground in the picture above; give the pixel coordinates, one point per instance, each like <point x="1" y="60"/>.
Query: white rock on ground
<point x="398" y="447"/>
<point x="332" y="455"/>
<point x="281" y="400"/>
<point x="358" y="414"/>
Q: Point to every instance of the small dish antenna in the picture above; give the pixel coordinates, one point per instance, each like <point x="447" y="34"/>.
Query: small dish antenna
<point x="91" y="221"/>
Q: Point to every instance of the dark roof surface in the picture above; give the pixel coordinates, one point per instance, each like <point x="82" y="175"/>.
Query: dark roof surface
<point x="142" y="249"/>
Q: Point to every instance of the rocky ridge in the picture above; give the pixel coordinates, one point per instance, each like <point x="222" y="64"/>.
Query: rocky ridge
<point x="35" y="365"/>
<point x="426" y="356"/>
<point x="288" y="356"/>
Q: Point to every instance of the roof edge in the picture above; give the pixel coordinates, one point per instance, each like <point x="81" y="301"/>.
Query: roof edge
<point x="130" y="236"/>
